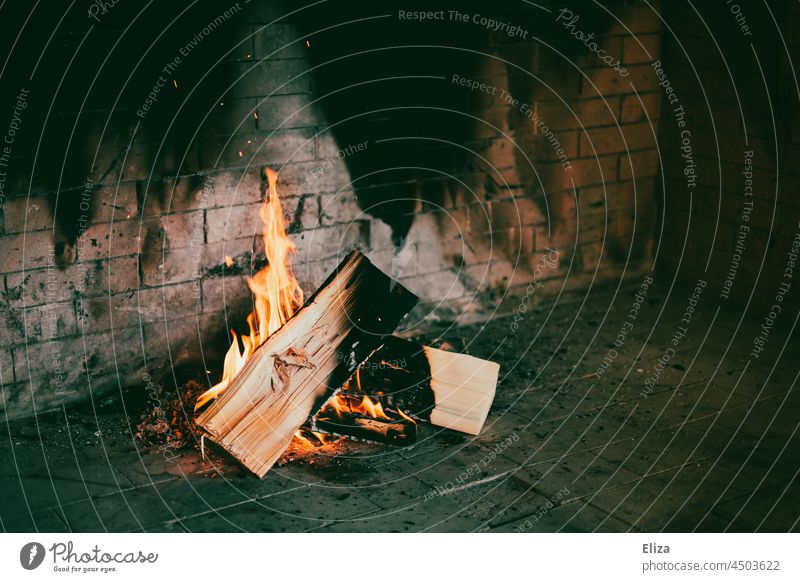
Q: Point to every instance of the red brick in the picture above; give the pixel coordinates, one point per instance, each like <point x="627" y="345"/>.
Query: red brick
<point x="233" y="222"/>
<point x="338" y="208"/>
<point x="174" y="194"/>
<point x="331" y="241"/>
<point x="641" y="48"/>
<point x="214" y="253"/>
<point x="90" y="278"/>
<point x="47" y="322"/>
<point x="627" y="137"/>
<point x="301" y="212"/>
<point x="26" y="214"/>
<point x="176" y="231"/>
<point x="108" y="312"/>
<point x="606" y="81"/>
<point x="515" y="213"/>
<point x="172" y="266"/>
<point x="36" y="247"/>
<point x="614" y="195"/>
<point x="590" y="171"/>
<point x="117" y="202"/>
<point x="168" y="302"/>
<point x="641" y="108"/>
<point x="101" y="241"/>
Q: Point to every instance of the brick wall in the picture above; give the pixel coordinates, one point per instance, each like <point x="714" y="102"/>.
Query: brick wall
<point x="117" y="219"/>
<point x="734" y="227"/>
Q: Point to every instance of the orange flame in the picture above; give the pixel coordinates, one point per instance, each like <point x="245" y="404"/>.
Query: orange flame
<point x="302" y="439"/>
<point x="275" y="289"/>
<point x="341" y="404"/>
<point x="404" y="415"/>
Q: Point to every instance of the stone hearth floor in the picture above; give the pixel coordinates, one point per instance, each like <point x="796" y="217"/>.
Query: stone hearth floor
<point x="714" y="447"/>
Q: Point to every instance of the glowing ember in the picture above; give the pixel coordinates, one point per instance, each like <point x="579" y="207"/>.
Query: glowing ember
<point x="276" y="292"/>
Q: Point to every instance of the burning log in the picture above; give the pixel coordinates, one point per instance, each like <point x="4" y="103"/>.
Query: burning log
<point x="399" y="433"/>
<point x="447" y="389"/>
<point x="299" y="367"/>
<point x="360" y="418"/>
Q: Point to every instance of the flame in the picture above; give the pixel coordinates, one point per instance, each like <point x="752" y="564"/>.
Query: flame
<point x="341" y="404"/>
<point x="276" y="293"/>
<point x="303" y="440"/>
<point x="404" y="415"/>
<point x="300" y="438"/>
<point x="374" y="409"/>
<point x="337" y="404"/>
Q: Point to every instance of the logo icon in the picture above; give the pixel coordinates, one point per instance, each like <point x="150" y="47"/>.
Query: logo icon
<point x="31" y="555"/>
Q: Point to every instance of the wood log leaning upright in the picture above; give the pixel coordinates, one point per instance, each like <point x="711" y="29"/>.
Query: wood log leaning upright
<point x="291" y="375"/>
<point x="447" y="389"/>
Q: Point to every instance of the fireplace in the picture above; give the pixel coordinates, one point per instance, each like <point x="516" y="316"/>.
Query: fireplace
<point x="541" y="178"/>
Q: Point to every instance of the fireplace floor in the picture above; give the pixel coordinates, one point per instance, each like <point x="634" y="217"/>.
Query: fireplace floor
<point x="708" y="449"/>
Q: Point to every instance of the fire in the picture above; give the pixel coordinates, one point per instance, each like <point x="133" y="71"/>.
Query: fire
<point x="275" y="290"/>
<point x="341" y="405"/>
<point x="302" y="438"/>
<point x="345" y="404"/>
